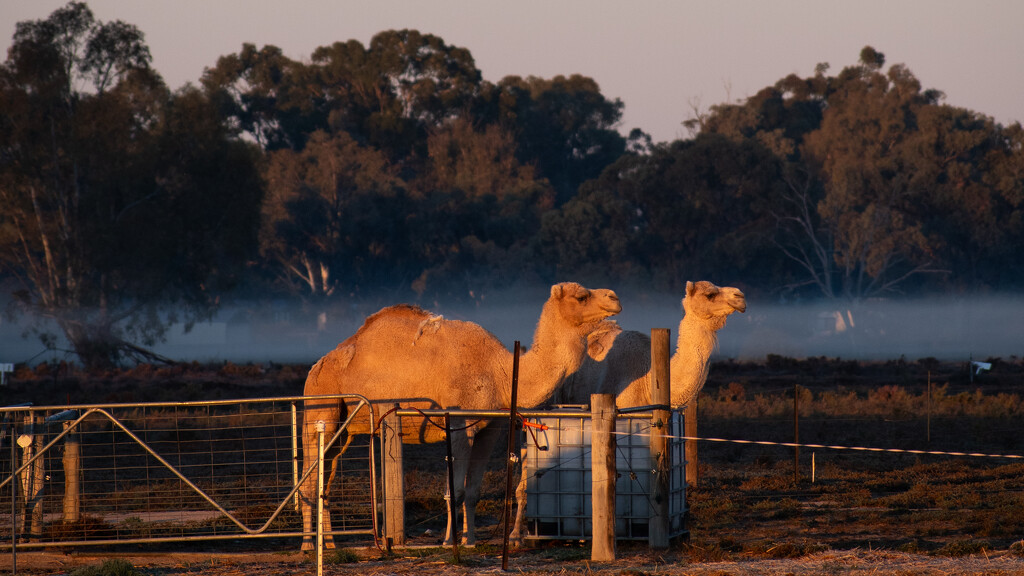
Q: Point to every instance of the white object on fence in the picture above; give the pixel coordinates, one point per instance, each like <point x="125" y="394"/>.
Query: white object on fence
<point x="979" y="366"/>
<point x="5" y="368"/>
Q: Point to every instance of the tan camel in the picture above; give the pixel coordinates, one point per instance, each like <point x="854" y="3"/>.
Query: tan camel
<point x="619" y="361"/>
<point x="406" y="355"/>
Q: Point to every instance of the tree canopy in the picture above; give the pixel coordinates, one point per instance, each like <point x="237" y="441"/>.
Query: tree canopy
<point x="119" y="199"/>
<point x="396" y="164"/>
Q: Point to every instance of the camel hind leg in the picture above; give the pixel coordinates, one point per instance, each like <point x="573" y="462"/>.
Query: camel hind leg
<point x="310" y="455"/>
<point x="461" y="449"/>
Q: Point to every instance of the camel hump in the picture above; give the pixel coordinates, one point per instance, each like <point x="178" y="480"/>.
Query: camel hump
<point x="426" y="323"/>
<point x="396" y="312"/>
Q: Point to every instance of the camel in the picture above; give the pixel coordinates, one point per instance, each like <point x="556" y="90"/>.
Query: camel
<point x="619" y="361"/>
<point x="406" y="355"/>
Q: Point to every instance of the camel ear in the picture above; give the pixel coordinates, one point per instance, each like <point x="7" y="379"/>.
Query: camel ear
<point x="690" y="288"/>
<point x="556" y="291"/>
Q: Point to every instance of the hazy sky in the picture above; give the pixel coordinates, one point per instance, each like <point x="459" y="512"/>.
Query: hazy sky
<point x="661" y="58"/>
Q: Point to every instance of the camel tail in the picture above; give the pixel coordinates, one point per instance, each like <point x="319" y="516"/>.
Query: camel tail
<point x="323" y="379"/>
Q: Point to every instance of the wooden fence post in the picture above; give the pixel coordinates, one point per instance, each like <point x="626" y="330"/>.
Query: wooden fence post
<point x="602" y="467"/>
<point x="796" y="432"/>
<point x="928" y="421"/>
<point x="394" y="481"/>
<point x="661" y="456"/>
<point x="33" y="477"/>
<point x="71" y="460"/>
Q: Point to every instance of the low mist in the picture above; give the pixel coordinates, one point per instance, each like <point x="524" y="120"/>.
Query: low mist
<point x="944" y="328"/>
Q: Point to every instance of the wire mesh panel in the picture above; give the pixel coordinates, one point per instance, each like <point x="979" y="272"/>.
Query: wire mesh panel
<point x="557" y="467"/>
<point x="145" y="472"/>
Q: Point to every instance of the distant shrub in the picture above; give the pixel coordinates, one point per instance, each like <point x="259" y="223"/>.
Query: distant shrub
<point x="963" y="548"/>
<point x="341" y="556"/>
<point x="249" y="370"/>
<point x="114" y="567"/>
<point x="772" y="549"/>
<point x="890" y="401"/>
<point x="779" y="508"/>
<point x="776" y="362"/>
<point x="704" y="553"/>
<point x="912" y="547"/>
<point x="733" y="392"/>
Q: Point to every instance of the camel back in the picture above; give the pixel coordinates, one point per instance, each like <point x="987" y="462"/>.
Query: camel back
<point x="408" y="355"/>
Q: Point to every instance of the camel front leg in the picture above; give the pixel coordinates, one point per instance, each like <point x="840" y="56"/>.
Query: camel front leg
<point x="515" y="538"/>
<point x="461" y="449"/>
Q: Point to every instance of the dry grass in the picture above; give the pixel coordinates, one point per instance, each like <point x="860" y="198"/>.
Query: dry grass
<point x="630" y="562"/>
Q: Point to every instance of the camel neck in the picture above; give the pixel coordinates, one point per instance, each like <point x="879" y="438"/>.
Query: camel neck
<point x="554" y="354"/>
<point x="695" y="343"/>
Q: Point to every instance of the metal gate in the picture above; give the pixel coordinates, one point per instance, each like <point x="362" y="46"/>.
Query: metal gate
<point x="161" y="472"/>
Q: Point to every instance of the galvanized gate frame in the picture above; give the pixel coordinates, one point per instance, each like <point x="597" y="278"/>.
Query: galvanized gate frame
<point x="66" y="414"/>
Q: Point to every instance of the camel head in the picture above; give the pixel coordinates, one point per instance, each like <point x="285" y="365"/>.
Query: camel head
<point x="578" y="305"/>
<point x="708" y="302"/>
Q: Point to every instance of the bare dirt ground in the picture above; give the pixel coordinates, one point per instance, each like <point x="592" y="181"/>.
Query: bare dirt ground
<point x="751" y="513"/>
<point x="628" y="563"/>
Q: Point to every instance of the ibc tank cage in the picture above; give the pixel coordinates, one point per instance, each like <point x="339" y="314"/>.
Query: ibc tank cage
<point x="557" y="468"/>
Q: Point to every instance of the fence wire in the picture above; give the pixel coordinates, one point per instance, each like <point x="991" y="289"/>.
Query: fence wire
<point x="150" y="472"/>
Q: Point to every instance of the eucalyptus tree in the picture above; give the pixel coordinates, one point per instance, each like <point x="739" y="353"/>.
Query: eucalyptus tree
<point x="333" y="216"/>
<point x="479" y="206"/>
<point x="884" y="187"/>
<point x="563" y="124"/>
<point x="690" y="208"/>
<point x="867" y="161"/>
<point x="387" y="94"/>
<point x="117" y="198"/>
<point x="973" y="176"/>
<point x="263" y="93"/>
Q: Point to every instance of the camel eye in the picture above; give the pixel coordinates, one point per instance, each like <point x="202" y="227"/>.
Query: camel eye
<point x="712" y="295"/>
